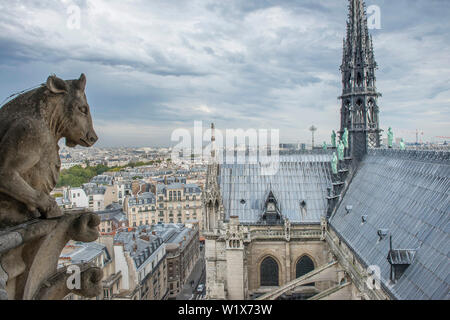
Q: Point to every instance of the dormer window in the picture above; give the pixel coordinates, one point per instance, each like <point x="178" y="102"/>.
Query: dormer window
<point x="303" y="208"/>
<point x="271" y="213"/>
<point x="400" y="260"/>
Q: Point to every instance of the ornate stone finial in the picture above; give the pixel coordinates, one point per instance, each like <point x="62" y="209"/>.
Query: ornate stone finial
<point x="34" y="123"/>
<point x="287" y="229"/>
<point x="213" y="142"/>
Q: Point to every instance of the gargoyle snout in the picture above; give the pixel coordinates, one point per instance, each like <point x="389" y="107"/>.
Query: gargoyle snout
<point x="92" y="137"/>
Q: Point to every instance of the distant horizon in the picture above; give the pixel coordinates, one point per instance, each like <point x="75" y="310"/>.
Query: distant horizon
<point x="316" y="145"/>
<point x="155" y="67"/>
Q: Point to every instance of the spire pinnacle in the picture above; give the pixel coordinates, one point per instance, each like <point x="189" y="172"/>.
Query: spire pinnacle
<point x="213" y="142"/>
<point x="359" y="111"/>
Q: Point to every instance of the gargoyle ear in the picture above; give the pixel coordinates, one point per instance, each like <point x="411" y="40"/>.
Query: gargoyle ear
<point x="56" y="85"/>
<point x="81" y="83"/>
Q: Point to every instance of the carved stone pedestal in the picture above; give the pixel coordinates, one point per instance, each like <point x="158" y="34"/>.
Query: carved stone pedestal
<point x="29" y="256"/>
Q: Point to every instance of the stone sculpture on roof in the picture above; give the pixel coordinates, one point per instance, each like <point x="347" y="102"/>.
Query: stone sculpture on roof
<point x="345" y="138"/>
<point x="333" y="139"/>
<point x="334" y="162"/>
<point x="390" y="135"/>
<point x="33" y="230"/>
<point x="341" y="150"/>
<point x="402" y="144"/>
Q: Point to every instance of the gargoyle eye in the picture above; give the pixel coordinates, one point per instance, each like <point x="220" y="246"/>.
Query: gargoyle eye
<point x="84" y="109"/>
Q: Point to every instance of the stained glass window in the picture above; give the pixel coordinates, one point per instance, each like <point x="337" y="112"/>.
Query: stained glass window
<point x="269" y="272"/>
<point x="304" y="266"/>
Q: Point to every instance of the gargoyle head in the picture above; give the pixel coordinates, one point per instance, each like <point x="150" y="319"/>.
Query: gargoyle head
<point x="77" y="127"/>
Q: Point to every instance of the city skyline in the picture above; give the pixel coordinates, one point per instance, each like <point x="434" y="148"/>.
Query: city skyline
<point x="153" y="68"/>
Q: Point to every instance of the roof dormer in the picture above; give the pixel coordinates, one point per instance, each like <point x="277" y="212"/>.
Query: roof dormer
<point x="271" y="211"/>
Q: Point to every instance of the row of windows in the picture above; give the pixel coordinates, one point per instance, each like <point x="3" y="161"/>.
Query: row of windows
<point x="175" y="197"/>
<point x="269" y="273"/>
<point x="171" y="213"/>
<point x="171" y="220"/>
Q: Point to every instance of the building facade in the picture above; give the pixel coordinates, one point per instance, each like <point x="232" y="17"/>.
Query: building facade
<point x="183" y="252"/>
<point x="141" y="259"/>
<point x="173" y="203"/>
<point x="97" y="254"/>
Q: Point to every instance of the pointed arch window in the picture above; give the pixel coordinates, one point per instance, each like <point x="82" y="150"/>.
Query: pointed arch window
<point x="358" y="113"/>
<point x="371" y="113"/>
<point x="269" y="272"/>
<point x="304" y="265"/>
<point x="348" y="80"/>
<point x="359" y="79"/>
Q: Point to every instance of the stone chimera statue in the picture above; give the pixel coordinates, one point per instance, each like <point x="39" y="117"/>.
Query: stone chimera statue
<point x="30" y="127"/>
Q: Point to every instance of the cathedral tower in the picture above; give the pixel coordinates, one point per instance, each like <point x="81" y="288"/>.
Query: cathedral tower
<point x="359" y="111"/>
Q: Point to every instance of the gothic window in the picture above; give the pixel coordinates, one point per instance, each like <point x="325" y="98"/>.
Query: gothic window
<point x="368" y="80"/>
<point x="371" y="112"/>
<point x="358" y="113"/>
<point x="269" y="272"/>
<point x="359" y="79"/>
<point x="304" y="265"/>
<point x="211" y="216"/>
<point x="347" y="105"/>
<point x="347" y="81"/>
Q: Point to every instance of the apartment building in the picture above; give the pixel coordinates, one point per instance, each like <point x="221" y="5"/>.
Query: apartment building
<point x="78" y="198"/>
<point x="140" y="257"/>
<point x="178" y="203"/>
<point x="141" y="209"/>
<point x="173" y="203"/>
<point x="112" y="219"/>
<point x="183" y="251"/>
<point x="93" y="253"/>
<point x="123" y="190"/>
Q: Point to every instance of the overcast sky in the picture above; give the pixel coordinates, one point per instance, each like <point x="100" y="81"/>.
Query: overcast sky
<point x="156" y="65"/>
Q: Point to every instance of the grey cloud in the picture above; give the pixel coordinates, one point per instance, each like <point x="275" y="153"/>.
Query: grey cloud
<point x="154" y="64"/>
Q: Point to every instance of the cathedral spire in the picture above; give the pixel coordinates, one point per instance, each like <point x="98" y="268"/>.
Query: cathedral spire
<point x="212" y="170"/>
<point x="359" y="111"/>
